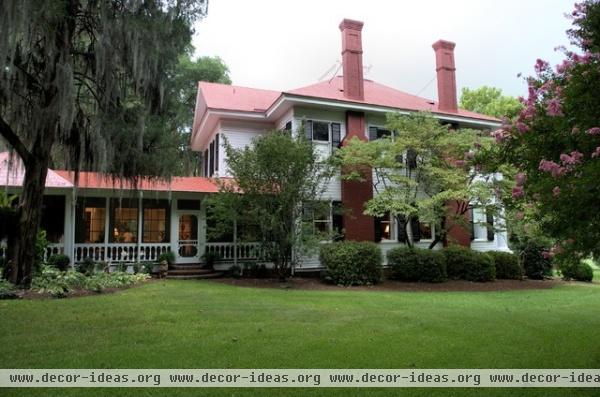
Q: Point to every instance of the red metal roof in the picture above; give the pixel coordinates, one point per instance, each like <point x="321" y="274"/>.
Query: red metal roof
<point x="231" y="97"/>
<point x="12" y="173"/>
<point x="380" y="95"/>
<point x="96" y="180"/>
<point x="234" y="98"/>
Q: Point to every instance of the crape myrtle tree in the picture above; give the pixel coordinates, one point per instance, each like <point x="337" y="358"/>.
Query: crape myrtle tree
<point x="422" y="172"/>
<point x="86" y="77"/>
<point x="554" y="144"/>
<point x="271" y="181"/>
<point x="490" y="101"/>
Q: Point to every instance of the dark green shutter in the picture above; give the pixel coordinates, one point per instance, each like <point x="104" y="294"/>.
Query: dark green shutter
<point x="217" y="152"/>
<point x="411" y="159"/>
<point x="308" y="130"/>
<point x="336" y="136"/>
<point x="401" y="228"/>
<point x="337" y="215"/>
<point x="472" y="222"/>
<point x="490" y="225"/>
<point x="377" y="222"/>
<point x="372" y="133"/>
<point x="415" y="228"/>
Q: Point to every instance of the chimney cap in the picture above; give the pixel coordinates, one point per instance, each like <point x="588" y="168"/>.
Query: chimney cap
<point x="351" y="24"/>
<point x="445" y="44"/>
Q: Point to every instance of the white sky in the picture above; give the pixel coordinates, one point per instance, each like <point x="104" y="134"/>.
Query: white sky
<point x="285" y="44"/>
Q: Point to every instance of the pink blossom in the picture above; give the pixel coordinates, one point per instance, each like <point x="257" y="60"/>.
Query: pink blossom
<point x="593" y="131"/>
<point x="547" y="254"/>
<point x="500" y="135"/>
<point x="540" y="66"/>
<point x="522" y="127"/>
<point x="552" y="167"/>
<point x="566" y="64"/>
<point x="556" y="191"/>
<point x="520" y="178"/>
<point x="554" y="108"/>
<point x="596" y="152"/>
<point x="518" y="192"/>
<point x="572" y="159"/>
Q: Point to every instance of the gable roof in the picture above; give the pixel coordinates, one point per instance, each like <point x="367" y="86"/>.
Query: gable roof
<point x="232" y="97"/>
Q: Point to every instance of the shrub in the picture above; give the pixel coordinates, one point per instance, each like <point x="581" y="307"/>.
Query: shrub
<point x="576" y="270"/>
<point x="87" y="266"/>
<point x="351" y="263"/>
<point x="535" y="265"/>
<point x="458" y="258"/>
<point x="57" y="283"/>
<point x="255" y="270"/>
<point x="507" y="265"/>
<point x="168" y="256"/>
<point x="414" y="264"/>
<point x="7" y="290"/>
<point x="466" y="264"/>
<point x="41" y="244"/>
<point x="59" y="261"/>
<point x="149" y="268"/>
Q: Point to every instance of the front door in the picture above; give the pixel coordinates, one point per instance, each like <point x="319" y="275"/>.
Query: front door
<point x="187" y="251"/>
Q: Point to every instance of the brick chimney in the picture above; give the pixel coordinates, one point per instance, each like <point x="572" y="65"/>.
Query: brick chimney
<point x="352" y="59"/>
<point x="446" y="79"/>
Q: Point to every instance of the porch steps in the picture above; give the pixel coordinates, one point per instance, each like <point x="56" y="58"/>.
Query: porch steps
<point x="191" y="272"/>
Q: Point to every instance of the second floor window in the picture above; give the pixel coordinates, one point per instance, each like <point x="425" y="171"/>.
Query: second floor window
<point x="320" y="131"/>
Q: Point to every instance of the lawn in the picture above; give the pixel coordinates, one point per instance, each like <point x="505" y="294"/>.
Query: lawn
<point x="179" y="324"/>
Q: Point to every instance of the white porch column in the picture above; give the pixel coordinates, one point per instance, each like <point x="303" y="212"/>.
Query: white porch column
<point x="69" y="226"/>
<point x="174" y="229"/>
<point x="202" y="229"/>
<point x="107" y="230"/>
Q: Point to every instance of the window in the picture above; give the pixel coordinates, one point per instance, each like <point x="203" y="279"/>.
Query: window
<point x="155" y="221"/>
<point x="378" y="133"/>
<point x="124" y="221"/>
<point x="318" y="215"/>
<point x="385" y="226"/>
<point x="288" y="126"/>
<point x="482" y="224"/>
<point x="90" y="218"/>
<point x="320" y="131"/>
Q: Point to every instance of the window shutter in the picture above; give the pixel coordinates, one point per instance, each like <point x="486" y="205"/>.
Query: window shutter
<point x="401" y="228"/>
<point x="490" y="225"/>
<point x="337" y="218"/>
<point x="399" y="159"/>
<point x="288" y="126"/>
<point x="205" y="163"/>
<point x="372" y="133"/>
<point x="377" y="222"/>
<point x="411" y="159"/>
<point x="415" y="228"/>
<point x="472" y="222"/>
<point x="336" y="136"/>
<point x="308" y="130"/>
<point x="217" y="152"/>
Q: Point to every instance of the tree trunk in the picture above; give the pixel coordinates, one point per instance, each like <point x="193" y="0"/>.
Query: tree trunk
<point x="29" y="212"/>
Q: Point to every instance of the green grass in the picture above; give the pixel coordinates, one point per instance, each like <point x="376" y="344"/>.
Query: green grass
<point x="179" y="324"/>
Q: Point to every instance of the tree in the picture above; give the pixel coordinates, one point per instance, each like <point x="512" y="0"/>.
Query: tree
<point x="490" y="101"/>
<point x="183" y="90"/>
<point x="86" y="79"/>
<point x="275" y="176"/>
<point x="422" y="173"/>
<point x="554" y="143"/>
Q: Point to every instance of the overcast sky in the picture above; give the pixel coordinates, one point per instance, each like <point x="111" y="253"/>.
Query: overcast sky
<point x="281" y="44"/>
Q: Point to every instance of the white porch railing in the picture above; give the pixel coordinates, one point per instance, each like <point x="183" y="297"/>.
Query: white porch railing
<point x="120" y="252"/>
<point x="51" y="249"/>
<point x="225" y="251"/>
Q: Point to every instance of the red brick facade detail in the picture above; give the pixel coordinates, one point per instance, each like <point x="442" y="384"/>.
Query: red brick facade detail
<point x="446" y="78"/>
<point x="355" y="194"/>
<point x="458" y="234"/>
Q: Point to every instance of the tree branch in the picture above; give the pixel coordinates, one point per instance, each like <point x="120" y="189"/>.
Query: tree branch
<point x="14" y="141"/>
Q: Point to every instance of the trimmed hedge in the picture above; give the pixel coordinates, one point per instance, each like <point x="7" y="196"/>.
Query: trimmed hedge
<point x="463" y="263"/>
<point x="351" y="263"/>
<point x="577" y="270"/>
<point x="507" y="265"/>
<point x="414" y="264"/>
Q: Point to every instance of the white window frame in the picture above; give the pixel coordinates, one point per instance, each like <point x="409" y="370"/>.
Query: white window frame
<point x="393" y="230"/>
<point x="479" y="225"/>
<point x="328" y="123"/>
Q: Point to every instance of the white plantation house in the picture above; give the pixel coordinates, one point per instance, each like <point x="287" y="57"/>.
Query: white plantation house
<point x="114" y="223"/>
